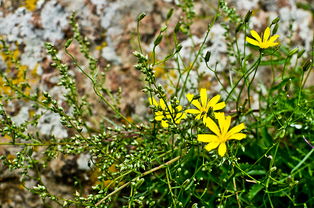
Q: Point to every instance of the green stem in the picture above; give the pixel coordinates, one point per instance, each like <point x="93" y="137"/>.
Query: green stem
<point x="142" y="175"/>
<point x="244" y="76"/>
<point x="96" y="89"/>
<point x="197" y="55"/>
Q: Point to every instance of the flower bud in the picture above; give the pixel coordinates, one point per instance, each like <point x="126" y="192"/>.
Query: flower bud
<point x="307" y="65"/>
<point x="293" y="51"/>
<point x="248" y="16"/>
<point x="275" y="29"/>
<point x="141" y="16"/>
<point x="207" y="56"/>
<point x="170" y="13"/>
<point x="68" y="43"/>
<point x="301" y="53"/>
<point x="158" y="40"/>
<point x="275" y="21"/>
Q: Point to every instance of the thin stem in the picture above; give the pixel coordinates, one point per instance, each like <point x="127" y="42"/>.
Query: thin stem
<point x="197" y="55"/>
<point x="96" y="89"/>
<point x="284" y="67"/>
<point x="249" y="87"/>
<point x="35" y="144"/>
<point x="139" y="36"/>
<point x="142" y="175"/>
<point x="244" y="76"/>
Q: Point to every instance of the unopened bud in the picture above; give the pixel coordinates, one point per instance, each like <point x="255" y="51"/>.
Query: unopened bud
<point x="68" y="43"/>
<point x="275" y="21"/>
<point x="141" y="16"/>
<point x="178" y="48"/>
<point x="248" y="16"/>
<point x="307" y="65"/>
<point x="293" y="51"/>
<point x="301" y="53"/>
<point x="239" y="27"/>
<point x="170" y="13"/>
<point x="158" y="40"/>
<point x="207" y="56"/>
<point x="164" y="28"/>
<point x="177" y="27"/>
<point x="275" y="29"/>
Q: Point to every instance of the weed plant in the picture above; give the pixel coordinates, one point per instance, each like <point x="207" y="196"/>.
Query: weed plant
<point x="247" y="145"/>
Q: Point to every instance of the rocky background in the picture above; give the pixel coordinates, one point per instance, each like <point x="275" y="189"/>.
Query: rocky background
<point x="110" y="26"/>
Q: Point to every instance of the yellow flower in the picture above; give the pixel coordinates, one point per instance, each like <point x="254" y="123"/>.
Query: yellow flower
<point x="266" y="42"/>
<point x="167" y="113"/>
<point x="203" y="105"/>
<point x="221" y="134"/>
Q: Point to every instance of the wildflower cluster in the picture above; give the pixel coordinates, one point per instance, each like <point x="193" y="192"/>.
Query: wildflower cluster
<point x="167" y="113"/>
<point x="118" y="158"/>
<point x="206" y="111"/>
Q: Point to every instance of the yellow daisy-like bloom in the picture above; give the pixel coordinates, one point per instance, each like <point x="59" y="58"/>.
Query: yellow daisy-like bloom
<point x="221" y="134"/>
<point x="203" y="104"/>
<point x="266" y="42"/>
<point x="167" y="113"/>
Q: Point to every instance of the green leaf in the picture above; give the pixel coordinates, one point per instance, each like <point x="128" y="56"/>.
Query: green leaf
<point x="254" y="190"/>
<point x="256" y="172"/>
<point x="273" y="62"/>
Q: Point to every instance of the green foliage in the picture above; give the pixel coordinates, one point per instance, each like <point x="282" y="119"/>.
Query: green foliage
<point x="144" y="164"/>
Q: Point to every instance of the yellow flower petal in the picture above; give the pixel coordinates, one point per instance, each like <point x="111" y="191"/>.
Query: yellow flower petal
<point x="256" y="35"/>
<point x="179" y="108"/>
<point x="237" y="136"/>
<point x="203" y="95"/>
<point x="207" y="138"/>
<point x="197" y="104"/>
<point x="220" y="116"/>
<point x="179" y="117"/>
<point x="211" y="146"/>
<point x="252" y="41"/>
<point x="159" y="116"/>
<point x="219" y="106"/>
<point x="193" y="111"/>
<point x="162" y="104"/>
<point x="189" y="97"/>
<point x="204" y="119"/>
<point x="213" y="101"/>
<point x="227" y="124"/>
<point x="273" y="38"/>
<point x="212" y="126"/>
<point x="266" y="34"/>
<point x="236" y="129"/>
<point x="272" y="44"/>
<point x="164" y="123"/>
<point x="198" y="117"/>
<point x="152" y="101"/>
<point x="222" y="149"/>
<point x="224" y="122"/>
